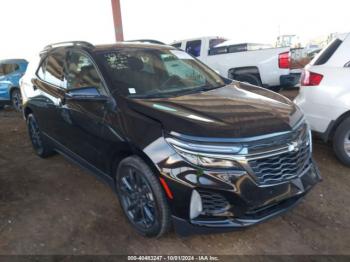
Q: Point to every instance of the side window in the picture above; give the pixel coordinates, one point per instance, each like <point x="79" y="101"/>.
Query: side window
<point x="10" y="68"/>
<point x="194" y="47"/>
<point x="215" y="42"/>
<point x="328" y="52"/>
<point x="177" y="45"/>
<point x="82" y="73"/>
<point x="51" y="69"/>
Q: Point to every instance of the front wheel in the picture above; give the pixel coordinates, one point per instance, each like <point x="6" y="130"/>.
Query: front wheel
<point x="341" y="142"/>
<point x="142" y="198"/>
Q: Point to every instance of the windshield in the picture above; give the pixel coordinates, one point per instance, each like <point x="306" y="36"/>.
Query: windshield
<point x="142" y="73"/>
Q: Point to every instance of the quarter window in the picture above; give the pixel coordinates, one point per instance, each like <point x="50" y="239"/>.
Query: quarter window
<point x="81" y="73"/>
<point x="194" y="47"/>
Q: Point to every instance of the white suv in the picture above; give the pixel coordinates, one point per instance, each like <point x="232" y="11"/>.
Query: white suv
<point x="325" y="95"/>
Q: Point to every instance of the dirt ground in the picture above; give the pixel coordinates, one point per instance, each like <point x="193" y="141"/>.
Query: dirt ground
<point x="53" y="207"/>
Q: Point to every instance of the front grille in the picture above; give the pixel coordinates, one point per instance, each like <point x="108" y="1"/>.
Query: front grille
<point x="285" y="166"/>
<point x="213" y="203"/>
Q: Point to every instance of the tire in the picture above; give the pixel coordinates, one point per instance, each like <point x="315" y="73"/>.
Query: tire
<point x="249" y="78"/>
<point x="40" y="145"/>
<point x="16" y="99"/>
<point x="341" y="142"/>
<point x="2" y="107"/>
<point x="142" y="198"/>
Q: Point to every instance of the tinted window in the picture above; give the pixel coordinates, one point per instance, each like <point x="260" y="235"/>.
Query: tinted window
<point x="51" y="70"/>
<point x="218" y="50"/>
<point x="143" y="73"/>
<point x="215" y="42"/>
<point x="194" y="47"/>
<point x="82" y="73"/>
<point x="177" y="45"/>
<point x="327" y="54"/>
<point x="237" y="48"/>
<point x="10" y="68"/>
<point x="178" y="67"/>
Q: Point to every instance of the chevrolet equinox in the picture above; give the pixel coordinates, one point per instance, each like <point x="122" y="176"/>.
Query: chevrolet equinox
<point x="180" y="145"/>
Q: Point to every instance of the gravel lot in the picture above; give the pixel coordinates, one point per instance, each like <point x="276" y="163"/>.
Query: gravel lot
<point x="53" y="207"/>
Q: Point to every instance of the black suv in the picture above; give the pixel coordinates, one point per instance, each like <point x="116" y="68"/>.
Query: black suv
<point x="178" y="143"/>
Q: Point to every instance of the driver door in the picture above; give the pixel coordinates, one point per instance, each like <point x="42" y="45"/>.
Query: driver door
<point x="84" y="119"/>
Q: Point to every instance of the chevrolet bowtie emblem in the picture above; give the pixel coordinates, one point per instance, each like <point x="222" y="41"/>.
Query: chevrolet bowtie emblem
<point x="294" y="146"/>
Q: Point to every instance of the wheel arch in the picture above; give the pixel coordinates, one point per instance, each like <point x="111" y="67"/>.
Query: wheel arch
<point x="252" y="70"/>
<point x="128" y="150"/>
<point x="334" y="125"/>
<point x="13" y="88"/>
<point x="26" y="111"/>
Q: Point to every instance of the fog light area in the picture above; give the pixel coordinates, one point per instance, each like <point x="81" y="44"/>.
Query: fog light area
<point x="196" y="206"/>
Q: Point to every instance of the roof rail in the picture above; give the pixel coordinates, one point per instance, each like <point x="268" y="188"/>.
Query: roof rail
<point x="151" y="41"/>
<point x="68" y="43"/>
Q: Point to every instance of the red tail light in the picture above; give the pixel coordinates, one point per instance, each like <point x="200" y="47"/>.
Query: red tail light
<point x="310" y="78"/>
<point x="284" y="60"/>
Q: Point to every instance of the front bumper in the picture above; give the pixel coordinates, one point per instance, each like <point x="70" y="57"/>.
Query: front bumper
<point x="249" y="204"/>
<point x="185" y="228"/>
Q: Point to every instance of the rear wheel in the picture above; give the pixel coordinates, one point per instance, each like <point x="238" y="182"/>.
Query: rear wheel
<point x="40" y="145"/>
<point x="341" y="142"/>
<point x="142" y="198"/>
<point x="16" y="99"/>
<point x="249" y="78"/>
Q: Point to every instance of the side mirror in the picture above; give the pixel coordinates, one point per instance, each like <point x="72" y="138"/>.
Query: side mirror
<point x="85" y="94"/>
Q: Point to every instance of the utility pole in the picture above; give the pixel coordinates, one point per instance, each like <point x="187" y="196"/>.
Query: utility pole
<point x="117" y="18"/>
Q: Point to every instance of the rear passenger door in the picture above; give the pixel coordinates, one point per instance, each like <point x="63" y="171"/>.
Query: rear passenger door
<point x="49" y="86"/>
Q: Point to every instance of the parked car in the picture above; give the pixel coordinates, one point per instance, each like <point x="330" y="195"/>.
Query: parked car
<point x="325" y="96"/>
<point x="10" y="73"/>
<point x="177" y="142"/>
<point x="257" y="64"/>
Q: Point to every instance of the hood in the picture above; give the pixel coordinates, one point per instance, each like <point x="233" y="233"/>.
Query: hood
<point x="235" y="111"/>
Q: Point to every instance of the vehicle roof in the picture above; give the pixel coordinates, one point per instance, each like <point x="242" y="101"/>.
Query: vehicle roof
<point x="16" y="60"/>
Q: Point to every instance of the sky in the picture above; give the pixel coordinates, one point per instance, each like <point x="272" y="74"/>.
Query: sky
<point x="28" y="25"/>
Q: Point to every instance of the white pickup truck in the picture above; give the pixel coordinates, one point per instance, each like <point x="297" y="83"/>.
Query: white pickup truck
<point x="257" y="64"/>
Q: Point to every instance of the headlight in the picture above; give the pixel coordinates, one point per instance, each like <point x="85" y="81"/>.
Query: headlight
<point x="204" y="159"/>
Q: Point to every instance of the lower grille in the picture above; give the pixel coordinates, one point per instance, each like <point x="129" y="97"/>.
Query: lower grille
<point x="213" y="203"/>
<point x="282" y="167"/>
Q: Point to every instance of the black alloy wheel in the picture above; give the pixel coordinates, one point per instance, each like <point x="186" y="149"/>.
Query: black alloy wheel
<point x="142" y="198"/>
